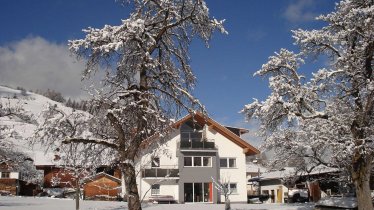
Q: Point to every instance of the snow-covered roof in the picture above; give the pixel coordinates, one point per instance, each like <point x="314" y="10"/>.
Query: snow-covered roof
<point x="291" y="171"/>
<point x="278" y="174"/>
<point x="254" y="168"/>
<point x="102" y="174"/>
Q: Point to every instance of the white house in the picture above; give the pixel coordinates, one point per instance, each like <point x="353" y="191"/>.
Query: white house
<point x="184" y="166"/>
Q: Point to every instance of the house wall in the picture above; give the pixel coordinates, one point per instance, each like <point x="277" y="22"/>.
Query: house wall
<point x="14" y="175"/>
<point x="167" y="152"/>
<point x="278" y="189"/>
<point x="228" y="149"/>
<point x="66" y="179"/>
<point x="102" y="188"/>
<point x="167" y="187"/>
<point x="9" y="185"/>
<point x="198" y="174"/>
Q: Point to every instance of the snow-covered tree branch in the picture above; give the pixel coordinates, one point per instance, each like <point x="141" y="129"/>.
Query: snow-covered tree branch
<point x="147" y="82"/>
<point x="329" y="118"/>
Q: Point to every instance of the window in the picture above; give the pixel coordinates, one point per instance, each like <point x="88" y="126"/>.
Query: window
<point x="265" y="192"/>
<point x="156" y="162"/>
<point x="207" y="161"/>
<point x="198" y="161"/>
<point x="233" y="188"/>
<point x="227" y="162"/>
<point x="155" y="190"/>
<point x="232" y="163"/>
<point x="223" y="163"/>
<point x="5" y="174"/>
<point x="187" y="161"/>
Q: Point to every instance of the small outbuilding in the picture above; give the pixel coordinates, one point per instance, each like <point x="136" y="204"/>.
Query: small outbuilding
<point x="102" y="186"/>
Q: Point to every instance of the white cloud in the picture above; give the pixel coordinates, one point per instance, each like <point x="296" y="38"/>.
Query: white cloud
<point x="298" y="11"/>
<point x="35" y="63"/>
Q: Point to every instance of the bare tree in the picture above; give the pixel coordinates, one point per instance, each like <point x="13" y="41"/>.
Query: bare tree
<point x="9" y="153"/>
<point x="224" y="188"/>
<point x="75" y="161"/>
<point x="328" y="119"/>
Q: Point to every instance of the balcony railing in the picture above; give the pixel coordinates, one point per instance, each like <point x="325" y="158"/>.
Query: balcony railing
<point x="160" y="172"/>
<point x="185" y="144"/>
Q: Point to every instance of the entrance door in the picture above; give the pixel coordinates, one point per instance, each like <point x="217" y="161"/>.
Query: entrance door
<point x="188" y="192"/>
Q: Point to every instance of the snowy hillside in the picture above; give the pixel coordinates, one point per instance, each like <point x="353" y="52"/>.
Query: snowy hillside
<point x="20" y="129"/>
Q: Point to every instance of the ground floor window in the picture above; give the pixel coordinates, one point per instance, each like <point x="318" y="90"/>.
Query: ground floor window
<point x="155" y="190"/>
<point x="198" y="192"/>
<point x="233" y="188"/>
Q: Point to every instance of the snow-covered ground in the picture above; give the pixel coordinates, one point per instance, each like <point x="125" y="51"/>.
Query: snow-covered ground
<point x="30" y="203"/>
<point x="33" y="104"/>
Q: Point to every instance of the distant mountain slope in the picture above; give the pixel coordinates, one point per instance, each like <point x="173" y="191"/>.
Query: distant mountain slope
<point x="23" y="127"/>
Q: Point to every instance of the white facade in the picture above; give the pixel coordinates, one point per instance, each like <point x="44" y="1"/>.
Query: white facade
<point x="170" y="157"/>
<point x="237" y="174"/>
<point x="167" y="152"/>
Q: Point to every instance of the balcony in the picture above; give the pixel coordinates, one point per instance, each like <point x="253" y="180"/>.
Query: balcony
<point x="195" y="141"/>
<point x="162" y="172"/>
<point x="197" y="145"/>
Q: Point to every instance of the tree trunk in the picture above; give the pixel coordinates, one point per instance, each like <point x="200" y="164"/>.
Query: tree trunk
<point x="227" y="203"/>
<point x="361" y="178"/>
<point x="133" y="201"/>
<point x="77" y="193"/>
<point x="123" y="188"/>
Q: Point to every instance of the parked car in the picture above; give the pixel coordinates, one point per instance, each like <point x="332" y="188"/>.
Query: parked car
<point x="298" y="195"/>
<point x="257" y="198"/>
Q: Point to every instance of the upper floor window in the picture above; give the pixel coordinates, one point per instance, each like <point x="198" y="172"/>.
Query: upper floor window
<point x="191" y="131"/>
<point x="5" y="175"/>
<point x="197" y="161"/>
<point x="156" y="162"/>
<point x="227" y="162"/>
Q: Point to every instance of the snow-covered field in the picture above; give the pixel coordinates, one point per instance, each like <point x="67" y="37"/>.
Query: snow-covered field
<point x="30" y="203"/>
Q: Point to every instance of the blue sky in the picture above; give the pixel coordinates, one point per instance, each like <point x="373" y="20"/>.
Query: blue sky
<point x="34" y="35"/>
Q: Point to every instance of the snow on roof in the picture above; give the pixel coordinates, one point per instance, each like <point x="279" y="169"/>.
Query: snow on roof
<point x="101" y="174"/>
<point x="291" y="171"/>
<point x="278" y="174"/>
<point x="254" y="168"/>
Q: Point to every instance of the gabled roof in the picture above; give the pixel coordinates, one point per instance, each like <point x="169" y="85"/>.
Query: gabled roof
<point x="100" y="175"/>
<point x="291" y="171"/>
<point x="202" y="120"/>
